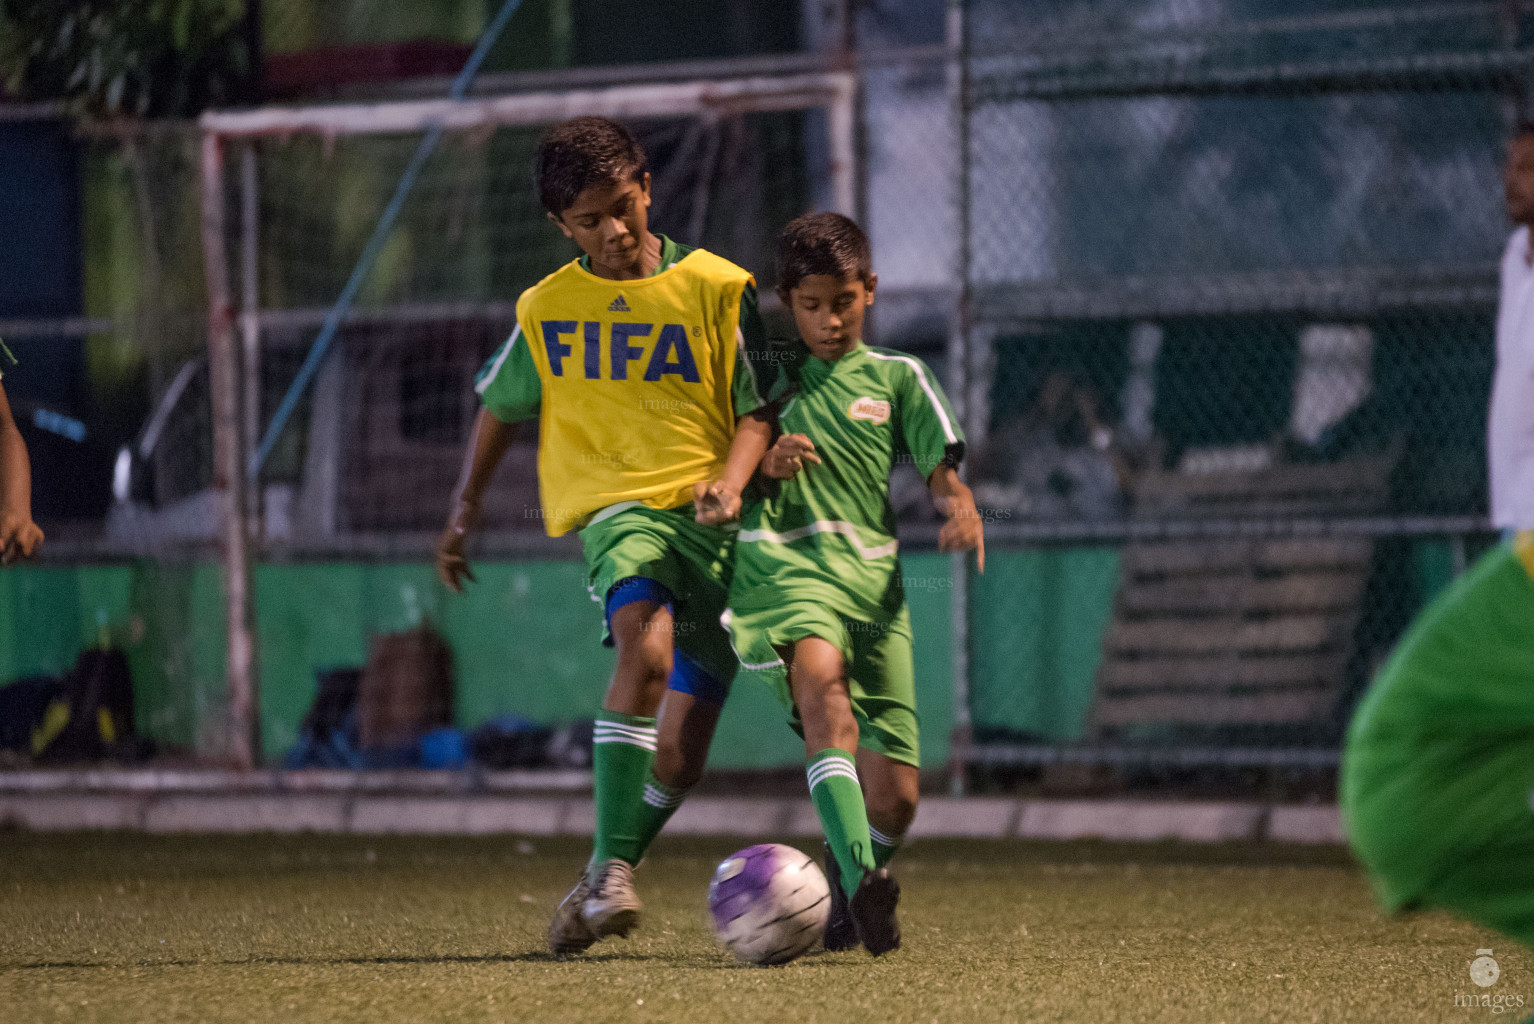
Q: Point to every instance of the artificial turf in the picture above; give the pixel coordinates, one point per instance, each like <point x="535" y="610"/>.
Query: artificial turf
<point x="128" y="928"/>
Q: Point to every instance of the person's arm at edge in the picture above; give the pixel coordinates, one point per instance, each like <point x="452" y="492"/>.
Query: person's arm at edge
<point x="718" y="501"/>
<point x="487" y="446"/>
<point x="19" y="535"/>
<point x="964" y="530"/>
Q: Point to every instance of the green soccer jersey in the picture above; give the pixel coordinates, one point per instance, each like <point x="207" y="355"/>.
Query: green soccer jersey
<point x="830" y="530"/>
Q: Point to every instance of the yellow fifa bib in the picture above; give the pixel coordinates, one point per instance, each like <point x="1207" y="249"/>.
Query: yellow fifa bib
<point x="636" y="379"/>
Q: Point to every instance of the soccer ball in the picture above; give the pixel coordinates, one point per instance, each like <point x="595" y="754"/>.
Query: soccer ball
<point x="769" y="903"/>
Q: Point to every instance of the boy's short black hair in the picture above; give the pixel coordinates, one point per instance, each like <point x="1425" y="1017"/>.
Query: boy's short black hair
<point x="822" y="243"/>
<point x="583" y="152"/>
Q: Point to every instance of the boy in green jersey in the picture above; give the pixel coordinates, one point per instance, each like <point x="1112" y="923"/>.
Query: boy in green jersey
<point x="1438" y="768"/>
<point x="817" y="601"/>
<point x="633" y="360"/>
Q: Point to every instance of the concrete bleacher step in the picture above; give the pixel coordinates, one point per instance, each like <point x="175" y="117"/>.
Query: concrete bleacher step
<point x="269" y="803"/>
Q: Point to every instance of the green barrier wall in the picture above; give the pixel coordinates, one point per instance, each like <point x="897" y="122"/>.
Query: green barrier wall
<point x="524" y="641"/>
<point x="1037" y="619"/>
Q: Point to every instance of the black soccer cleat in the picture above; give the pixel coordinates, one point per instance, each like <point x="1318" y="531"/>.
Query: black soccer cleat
<point x="840" y="933"/>
<point x="872" y="909"/>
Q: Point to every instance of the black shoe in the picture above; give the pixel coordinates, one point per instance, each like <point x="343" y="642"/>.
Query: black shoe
<point x="840" y="932"/>
<point x="872" y="910"/>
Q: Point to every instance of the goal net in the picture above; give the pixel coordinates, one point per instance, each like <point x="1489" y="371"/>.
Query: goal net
<point x="370" y="455"/>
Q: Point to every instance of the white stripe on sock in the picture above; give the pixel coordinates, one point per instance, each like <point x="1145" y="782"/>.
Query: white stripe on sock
<point x="659" y="798"/>
<point x="821" y="779"/>
<point x="882" y="839"/>
<point x="639" y="736"/>
<point x="818" y="773"/>
<point x="648" y="731"/>
<point x="643" y="742"/>
<point x="831" y="764"/>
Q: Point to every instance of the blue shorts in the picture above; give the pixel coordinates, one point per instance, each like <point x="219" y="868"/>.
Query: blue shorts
<point x="687" y="676"/>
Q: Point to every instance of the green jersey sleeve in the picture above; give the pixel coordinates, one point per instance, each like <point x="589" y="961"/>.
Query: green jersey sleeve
<point x="928" y="427"/>
<point x="753" y="358"/>
<point x="508" y="384"/>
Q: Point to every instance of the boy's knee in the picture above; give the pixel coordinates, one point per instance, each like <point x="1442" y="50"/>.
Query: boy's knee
<point x="646" y="650"/>
<point x="676" y="768"/>
<point x="895" y="808"/>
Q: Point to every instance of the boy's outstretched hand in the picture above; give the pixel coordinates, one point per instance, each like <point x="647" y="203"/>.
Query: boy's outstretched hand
<point x="715" y="502"/>
<point x="19" y="537"/>
<point x="964" y="530"/>
<point x="788" y="456"/>
<point x="452" y="566"/>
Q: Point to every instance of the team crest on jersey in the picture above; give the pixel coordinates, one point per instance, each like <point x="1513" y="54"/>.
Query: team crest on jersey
<point x="618" y="306"/>
<point x="865" y="408"/>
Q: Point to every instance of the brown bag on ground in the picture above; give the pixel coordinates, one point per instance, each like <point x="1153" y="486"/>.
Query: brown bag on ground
<point x="406" y="689"/>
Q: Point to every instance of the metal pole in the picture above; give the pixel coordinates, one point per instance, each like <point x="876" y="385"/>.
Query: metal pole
<point x="841" y="118"/>
<point x="228" y="464"/>
<point x="958" y="382"/>
<point x="250" y="327"/>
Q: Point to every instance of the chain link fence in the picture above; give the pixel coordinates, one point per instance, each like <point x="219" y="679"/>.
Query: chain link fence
<point x="1233" y="284"/>
<point x="1215" y="289"/>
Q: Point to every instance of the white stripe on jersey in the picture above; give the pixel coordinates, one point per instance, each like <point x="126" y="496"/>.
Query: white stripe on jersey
<point x="500" y="359"/>
<point x="740" y="357"/>
<point x="921" y="376"/>
<point x="724" y="620"/>
<point x="847" y="530"/>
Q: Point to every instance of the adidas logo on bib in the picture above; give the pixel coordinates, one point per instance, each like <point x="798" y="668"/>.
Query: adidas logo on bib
<point x="869" y="409"/>
<point x="618" y="306"/>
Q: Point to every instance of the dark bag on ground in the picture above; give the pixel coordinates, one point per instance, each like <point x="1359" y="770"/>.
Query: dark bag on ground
<point x="328" y="737"/>
<point x="406" y="691"/>
<point x="92" y="718"/>
<point x="511" y="741"/>
<point x="22" y="706"/>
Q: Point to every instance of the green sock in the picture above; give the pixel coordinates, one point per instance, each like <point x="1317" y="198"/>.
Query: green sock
<point x="838" y="800"/>
<point x="656" y="806"/>
<point x="884" y="846"/>
<point x="623" y="749"/>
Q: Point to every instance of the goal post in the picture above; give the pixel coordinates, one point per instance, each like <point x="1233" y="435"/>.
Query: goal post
<point x="279" y="233"/>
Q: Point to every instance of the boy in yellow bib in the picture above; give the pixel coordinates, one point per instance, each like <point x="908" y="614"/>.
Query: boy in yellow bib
<point x="633" y="361"/>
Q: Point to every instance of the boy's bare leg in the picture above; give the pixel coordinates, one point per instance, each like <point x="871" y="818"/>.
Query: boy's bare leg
<point x="818" y="684"/>
<point x="642" y="635"/>
<point x="817" y="680"/>
<point x="686" y="728"/>
<point x="604" y="901"/>
<point x="891" y="790"/>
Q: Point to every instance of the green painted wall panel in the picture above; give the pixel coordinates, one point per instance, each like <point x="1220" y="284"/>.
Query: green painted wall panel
<point x="525" y="641"/>
<point x="1036" y="630"/>
<point x="929" y="592"/>
<point x="174" y="636"/>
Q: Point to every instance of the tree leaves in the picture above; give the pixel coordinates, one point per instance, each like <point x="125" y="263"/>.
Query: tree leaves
<point x="110" y="58"/>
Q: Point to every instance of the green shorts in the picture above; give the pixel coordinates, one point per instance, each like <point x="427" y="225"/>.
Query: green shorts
<point x="690" y="560"/>
<point x="880" y="671"/>
<point x="1438" y="768"/>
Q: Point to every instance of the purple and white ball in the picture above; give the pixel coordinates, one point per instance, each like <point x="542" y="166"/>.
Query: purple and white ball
<point x="770" y="903"/>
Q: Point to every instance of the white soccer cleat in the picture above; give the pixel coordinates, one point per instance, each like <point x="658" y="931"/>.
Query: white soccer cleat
<point x="613" y="907"/>
<point x="568" y="933"/>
